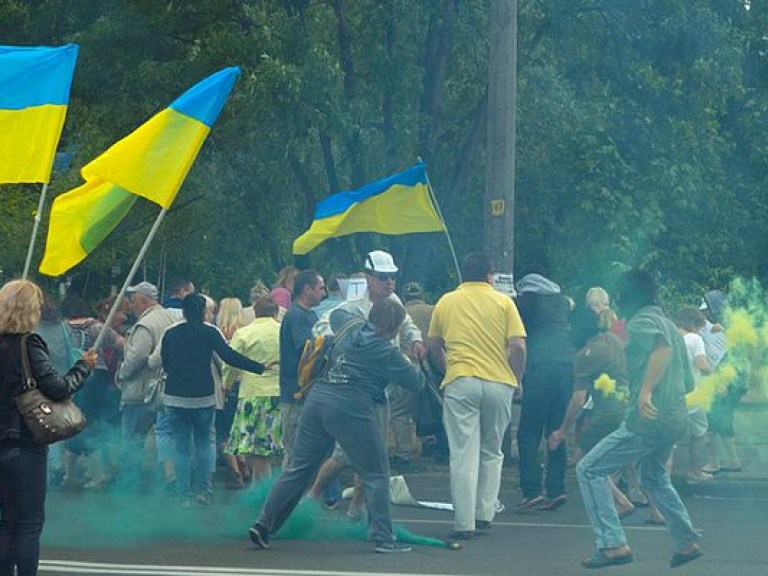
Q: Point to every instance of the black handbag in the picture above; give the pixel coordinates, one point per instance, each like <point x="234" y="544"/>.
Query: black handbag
<point x="48" y="421"/>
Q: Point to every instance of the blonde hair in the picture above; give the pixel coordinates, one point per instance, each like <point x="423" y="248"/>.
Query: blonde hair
<point x="606" y="319"/>
<point x="230" y="316"/>
<point x="210" y="306"/>
<point x="285" y="278"/>
<point x="258" y="290"/>
<point x="20" y="304"/>
<point x="597" y="296"/>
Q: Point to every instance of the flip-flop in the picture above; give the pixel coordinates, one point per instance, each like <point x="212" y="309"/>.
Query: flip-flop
<point x="680" y="558"/>
<point x="599" y="559"/>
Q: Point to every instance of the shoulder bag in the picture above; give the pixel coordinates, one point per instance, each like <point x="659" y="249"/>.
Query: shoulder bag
<point x="48" y="421"/>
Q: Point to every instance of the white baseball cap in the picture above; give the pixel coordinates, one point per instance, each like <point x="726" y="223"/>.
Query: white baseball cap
<point x="380" y="261"/>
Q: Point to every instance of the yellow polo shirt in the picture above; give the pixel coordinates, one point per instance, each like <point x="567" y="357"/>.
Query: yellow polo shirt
<point x="476" y="322"/>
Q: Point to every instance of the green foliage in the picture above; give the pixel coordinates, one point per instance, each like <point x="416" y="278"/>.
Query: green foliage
<point x="640" y="139"/>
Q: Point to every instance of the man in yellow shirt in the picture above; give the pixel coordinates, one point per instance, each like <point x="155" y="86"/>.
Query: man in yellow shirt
<point x="477" y="335"/>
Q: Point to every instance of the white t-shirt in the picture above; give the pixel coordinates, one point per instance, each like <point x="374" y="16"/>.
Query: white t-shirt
<point x="694" y="345"/>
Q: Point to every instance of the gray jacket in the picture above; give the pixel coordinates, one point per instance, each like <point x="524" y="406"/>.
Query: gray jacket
<point x="360" y="367"/>
<point x="134" y="377"/>
<point x="409" y="332"/>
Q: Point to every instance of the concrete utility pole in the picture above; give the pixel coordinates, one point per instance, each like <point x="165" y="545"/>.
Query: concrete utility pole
<point x="499" y="197"/>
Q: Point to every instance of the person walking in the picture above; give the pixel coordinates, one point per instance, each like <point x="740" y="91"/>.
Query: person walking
<point x="23" y="462"/>
<point x="478" y="338"/>
<point x="659" y="378"/>
<point x="548" y="386"/>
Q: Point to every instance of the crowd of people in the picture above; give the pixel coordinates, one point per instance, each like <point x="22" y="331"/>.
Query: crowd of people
<point x="179" y="386"/>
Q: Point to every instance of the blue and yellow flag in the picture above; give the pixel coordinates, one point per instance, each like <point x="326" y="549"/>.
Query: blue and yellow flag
<point x="34" y="95"/>
<point x="151" y="162"/>
<point x="398" y="204"/>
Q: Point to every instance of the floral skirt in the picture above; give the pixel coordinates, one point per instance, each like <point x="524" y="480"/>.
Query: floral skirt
<point x="256" y="429"/>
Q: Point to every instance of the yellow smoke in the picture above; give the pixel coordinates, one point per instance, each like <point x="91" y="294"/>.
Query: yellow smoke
<point x="607" y="387"/>
<point x="741" y="331"/>
<point x="710" y="386"/>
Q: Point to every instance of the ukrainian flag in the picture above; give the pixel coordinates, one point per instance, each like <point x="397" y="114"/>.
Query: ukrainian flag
<point x="34" y="95"/>
<point x="152" y="162"/>
<point x="399" y="204"/>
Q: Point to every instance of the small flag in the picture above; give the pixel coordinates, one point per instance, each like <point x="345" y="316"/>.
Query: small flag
<point x="151" y="162"/>
<point x="398" y="204"/>
<point x="34" y="95"/>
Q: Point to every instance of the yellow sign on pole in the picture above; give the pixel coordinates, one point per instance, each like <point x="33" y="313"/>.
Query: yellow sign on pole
<point x="498" y="207"/>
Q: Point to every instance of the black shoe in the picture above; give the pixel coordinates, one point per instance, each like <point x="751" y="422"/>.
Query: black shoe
<point x="461" y="535"/>
<point x="483" y="525"/>
<point x="390" y="547"/>
<point x="259" y="537"/>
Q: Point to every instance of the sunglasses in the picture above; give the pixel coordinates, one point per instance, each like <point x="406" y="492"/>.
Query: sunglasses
<point x="385" y="276"/>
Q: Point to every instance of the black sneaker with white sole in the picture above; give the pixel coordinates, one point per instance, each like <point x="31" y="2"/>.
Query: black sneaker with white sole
<point x="390" y="547"/>
<point x="259" y="537"/>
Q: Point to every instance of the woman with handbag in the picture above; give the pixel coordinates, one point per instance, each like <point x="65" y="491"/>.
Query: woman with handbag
<point x="22" y="458"/>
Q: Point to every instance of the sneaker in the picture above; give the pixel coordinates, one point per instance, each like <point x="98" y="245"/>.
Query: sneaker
<point x="461" y="535"/>
<point x="483" y="525"/>
<point x="356" y="513"/>
<point x="499" y="507"/>
<point x="259" y="537"/>
<point x="203" y="499"/>
<point x="553" y="504"/>
<point x="389" y="547"/>
<point x="528" y="503"/>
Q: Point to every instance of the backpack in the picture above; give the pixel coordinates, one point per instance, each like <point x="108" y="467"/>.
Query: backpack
<point x="316" y="356"/>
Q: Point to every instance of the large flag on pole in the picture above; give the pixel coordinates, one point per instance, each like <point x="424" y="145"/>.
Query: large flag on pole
<point x="34" y="95"/>
<point x="151" y="162"/>
<point x="398" y="204"/>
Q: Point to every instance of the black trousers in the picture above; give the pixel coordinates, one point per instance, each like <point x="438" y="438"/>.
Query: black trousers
<point x="547" y="391"/>
<point x="22" y="506"/>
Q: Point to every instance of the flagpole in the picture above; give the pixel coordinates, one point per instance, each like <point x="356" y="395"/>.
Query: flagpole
<point x="445" y="226"/>
<point x="38" y="216"/>
<point x="131" y="274"/>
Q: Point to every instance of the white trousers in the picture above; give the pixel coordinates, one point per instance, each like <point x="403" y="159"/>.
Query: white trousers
<point x="476" y="414"/>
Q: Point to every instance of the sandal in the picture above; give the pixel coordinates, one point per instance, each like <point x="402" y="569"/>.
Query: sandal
<point x="599" y="559"/>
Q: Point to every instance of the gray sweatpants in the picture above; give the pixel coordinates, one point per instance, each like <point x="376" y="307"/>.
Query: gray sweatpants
<point x="322" y="424"/>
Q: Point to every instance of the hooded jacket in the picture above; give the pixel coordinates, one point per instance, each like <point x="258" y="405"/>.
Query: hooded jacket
<point x="361" y="365"/>
<point x="544" y="311"/>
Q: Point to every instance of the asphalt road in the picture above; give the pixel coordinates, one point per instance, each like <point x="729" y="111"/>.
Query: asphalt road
<point x="110" y="533"/>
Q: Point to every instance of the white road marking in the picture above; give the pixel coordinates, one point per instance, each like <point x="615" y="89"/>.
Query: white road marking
<point x="57" y="566"/>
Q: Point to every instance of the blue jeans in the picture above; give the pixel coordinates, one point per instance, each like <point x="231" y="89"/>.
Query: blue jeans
<point x="22" y="506"/>
<point x="194" y="434"/>
<point x="616" y="450"/>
